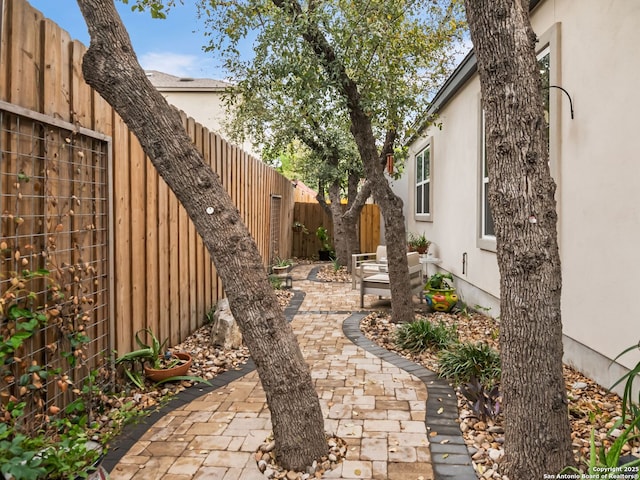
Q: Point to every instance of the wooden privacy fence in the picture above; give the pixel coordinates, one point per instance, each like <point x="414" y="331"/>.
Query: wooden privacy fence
<point x="312" y="216"/>
<point x="92" y="188"/>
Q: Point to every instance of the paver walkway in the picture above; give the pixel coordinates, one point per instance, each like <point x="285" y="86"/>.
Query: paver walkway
<point x="371" y="400"/>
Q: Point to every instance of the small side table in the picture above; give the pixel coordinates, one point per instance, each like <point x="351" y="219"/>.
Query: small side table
<point x="426" y="261"/>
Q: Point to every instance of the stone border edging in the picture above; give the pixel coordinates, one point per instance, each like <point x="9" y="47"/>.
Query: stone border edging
<point x="449" y="454"/>
<point x="313" y="275"/>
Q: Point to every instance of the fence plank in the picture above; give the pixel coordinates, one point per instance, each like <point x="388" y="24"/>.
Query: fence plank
<point x="151" y="246"/>
<point x="136" y="212"/>
<point x="164" y="260"/>
<point x="57" y="74"/>
<point x="24" y="46"/>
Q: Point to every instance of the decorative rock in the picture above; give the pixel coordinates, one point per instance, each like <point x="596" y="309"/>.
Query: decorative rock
<point x="268" y="447"/>
<point x="224" y="329"/>
<point x="337" y="451"/>
<point x="495" y="454"/>
<point x="489" y="473"/>
<point x="579" y="385"/>
<point x="478" y="455"/>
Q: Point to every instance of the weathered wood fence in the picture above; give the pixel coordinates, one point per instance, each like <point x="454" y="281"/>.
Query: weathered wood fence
<point x="157" y="272"/>
<point x="312" y="216"/>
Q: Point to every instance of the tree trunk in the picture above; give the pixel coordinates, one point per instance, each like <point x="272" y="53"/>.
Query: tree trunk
<point x="339" y="225"/>
<point x="390" y="205"/>
<point x="537" y="431"/>
<point x="362" y="131"/>
<point x="345" y="224"/>
<point x="110" y="66"/>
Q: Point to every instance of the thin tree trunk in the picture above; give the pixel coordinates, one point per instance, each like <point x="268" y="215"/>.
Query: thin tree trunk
<point x="110" y="66"/>
<point x="345" y="224"/>
<point x="339" y="225"/>
<point x="537" y="431"/>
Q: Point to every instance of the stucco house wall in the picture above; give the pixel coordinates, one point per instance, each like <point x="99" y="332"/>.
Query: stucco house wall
<point x="594" y="160"/>
<point x="200" y="98"/>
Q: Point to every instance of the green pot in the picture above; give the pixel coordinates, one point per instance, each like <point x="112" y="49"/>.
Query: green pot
<point x="441" y="300"/>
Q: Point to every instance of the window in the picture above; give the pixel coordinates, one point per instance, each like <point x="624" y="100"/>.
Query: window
<point x="487" y="230"/>
<point x="543" y="61"/>
<point x="423" y="184"/>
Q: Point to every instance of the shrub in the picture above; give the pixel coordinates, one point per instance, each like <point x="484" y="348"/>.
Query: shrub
<point x="466" y="360"/>
<point x="483" y="401"/>
<point x="422" y="334"/>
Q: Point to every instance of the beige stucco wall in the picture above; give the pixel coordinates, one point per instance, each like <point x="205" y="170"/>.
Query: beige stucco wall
<point x="596" y="165"/>
<point x="206" y="107"/>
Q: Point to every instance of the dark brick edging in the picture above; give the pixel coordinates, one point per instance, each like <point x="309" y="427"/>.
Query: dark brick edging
<point x="313" y="275"/>
<point x="132" y="433"/>
<point x="449" y="454"/>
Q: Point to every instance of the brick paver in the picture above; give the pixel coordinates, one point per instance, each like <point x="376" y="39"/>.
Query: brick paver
<point x="376" y="407"/>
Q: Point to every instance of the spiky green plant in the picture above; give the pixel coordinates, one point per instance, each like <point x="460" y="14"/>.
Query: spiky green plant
<point x="466" y="360"/>
<point x="423" y="334"/>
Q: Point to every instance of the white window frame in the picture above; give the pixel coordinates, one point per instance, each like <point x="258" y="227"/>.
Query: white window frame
<point x="427" y="148"/>
<point x="549" y="43"/>
<point x="486" y="240"/>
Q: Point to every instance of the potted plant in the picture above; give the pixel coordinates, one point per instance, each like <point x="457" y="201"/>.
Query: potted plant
<point x="281" y="266"/>
<point x="299" y="228"/>
<point x="326" y="251"/>
<point x="418" y="243"/>
<point x="439" y="292"/>
<point x="158" y="365"/>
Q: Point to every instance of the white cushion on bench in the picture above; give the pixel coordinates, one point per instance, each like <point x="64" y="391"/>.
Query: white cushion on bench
<point x="373" y="282"/>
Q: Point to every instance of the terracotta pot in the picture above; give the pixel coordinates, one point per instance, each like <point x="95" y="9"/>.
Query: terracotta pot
<point x="157" y="375"/>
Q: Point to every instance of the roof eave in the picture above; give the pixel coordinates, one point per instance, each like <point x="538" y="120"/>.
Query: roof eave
<point x="463" y="72"/>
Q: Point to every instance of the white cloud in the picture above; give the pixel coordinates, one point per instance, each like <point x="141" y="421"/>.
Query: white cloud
<point x="180" y="65"/>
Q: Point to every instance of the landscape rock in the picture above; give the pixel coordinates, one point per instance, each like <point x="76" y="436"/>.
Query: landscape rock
<point x="224" y="329"/>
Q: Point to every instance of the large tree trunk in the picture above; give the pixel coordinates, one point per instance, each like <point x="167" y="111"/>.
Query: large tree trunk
<point x="390" y="205"/>
<point x="537" y="431"/>
<point x="110" y="66"/>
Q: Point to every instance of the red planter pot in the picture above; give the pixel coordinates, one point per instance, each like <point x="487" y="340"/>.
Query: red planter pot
<point x="157" y="375"/>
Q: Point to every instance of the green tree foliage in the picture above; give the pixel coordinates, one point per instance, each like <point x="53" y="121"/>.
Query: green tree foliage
<point x="397" y="52"/>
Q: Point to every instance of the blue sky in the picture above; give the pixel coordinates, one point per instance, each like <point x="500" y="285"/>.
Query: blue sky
<point x="172" y="46"/>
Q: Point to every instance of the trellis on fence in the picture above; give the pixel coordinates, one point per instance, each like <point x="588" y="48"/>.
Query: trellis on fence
<point x="162" y="275"/>
<point x="54" y="256"/>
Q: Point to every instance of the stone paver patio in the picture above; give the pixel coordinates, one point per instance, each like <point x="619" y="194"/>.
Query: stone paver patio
<point x="397" y="418"/>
